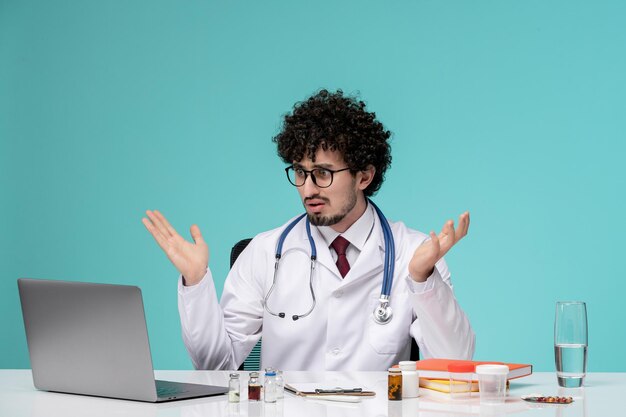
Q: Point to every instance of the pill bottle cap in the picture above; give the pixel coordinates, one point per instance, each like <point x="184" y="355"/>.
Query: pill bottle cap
<point x="408" y="365"/>
<point x="491" y="369"/>
<point x="395" y="370"/>
<point x="461" y="367"/>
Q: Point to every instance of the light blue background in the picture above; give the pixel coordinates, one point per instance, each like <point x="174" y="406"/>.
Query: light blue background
<point x="514" y="110"/>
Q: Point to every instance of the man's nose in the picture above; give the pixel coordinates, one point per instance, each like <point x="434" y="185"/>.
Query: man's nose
<point x="309" y="188"/>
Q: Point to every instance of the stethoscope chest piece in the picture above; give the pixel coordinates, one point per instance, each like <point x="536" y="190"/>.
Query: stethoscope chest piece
<point x="382" y="312"/>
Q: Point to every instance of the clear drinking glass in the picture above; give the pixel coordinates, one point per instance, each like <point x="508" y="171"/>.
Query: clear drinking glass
<point x="570" y="343"/>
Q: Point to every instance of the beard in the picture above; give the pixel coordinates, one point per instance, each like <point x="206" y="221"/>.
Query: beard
<point x="319" y="220"/>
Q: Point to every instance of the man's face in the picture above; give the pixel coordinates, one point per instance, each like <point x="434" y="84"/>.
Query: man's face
<point x="338" y="205"/>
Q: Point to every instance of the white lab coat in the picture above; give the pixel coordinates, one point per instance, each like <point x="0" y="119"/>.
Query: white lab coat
<point x="340" y="333"/>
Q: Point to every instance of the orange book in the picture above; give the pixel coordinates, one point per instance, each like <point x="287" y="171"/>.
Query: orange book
<point x="438" y="368"/>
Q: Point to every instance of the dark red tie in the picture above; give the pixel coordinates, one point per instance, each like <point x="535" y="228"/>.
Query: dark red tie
<point x="340" y="245"/>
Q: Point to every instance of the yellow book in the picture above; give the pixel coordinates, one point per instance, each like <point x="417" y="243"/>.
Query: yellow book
<point x="444" y="385"/>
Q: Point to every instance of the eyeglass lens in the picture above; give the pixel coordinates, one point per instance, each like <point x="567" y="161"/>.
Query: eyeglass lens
<point x="320" y="176"/>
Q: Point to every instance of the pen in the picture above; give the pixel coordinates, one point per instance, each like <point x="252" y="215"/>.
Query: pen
<point x="337" y="391"/>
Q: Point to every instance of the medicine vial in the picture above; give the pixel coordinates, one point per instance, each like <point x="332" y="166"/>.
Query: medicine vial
<point x="254" y="387"/>
<point x="280" y="385"/>
<point x="233" y="388"/>
<point x="394" y="386"/>
<point x="270" y="386"/>
<point x="410" y="379"/>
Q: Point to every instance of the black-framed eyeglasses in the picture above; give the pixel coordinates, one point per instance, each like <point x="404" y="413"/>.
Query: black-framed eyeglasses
<point x="322" y="177"/>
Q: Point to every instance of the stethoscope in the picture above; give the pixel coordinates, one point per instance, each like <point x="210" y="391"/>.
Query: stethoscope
<point x="382" y="313"/>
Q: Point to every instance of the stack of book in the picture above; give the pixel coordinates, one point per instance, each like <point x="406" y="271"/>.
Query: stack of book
<point x="434" y="374"/>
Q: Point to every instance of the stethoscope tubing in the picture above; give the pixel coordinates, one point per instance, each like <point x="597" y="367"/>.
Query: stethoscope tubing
<point x="390" y="252"/>
<point x="388" y="267"/>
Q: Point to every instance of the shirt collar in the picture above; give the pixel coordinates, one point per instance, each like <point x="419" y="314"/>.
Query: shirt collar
<point x="357" y="234"/>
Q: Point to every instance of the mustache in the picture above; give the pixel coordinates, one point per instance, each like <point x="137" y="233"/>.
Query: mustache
<point x="316" y="197"/>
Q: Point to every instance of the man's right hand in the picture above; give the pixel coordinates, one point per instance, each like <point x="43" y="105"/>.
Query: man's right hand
<point x="191" y="259"/>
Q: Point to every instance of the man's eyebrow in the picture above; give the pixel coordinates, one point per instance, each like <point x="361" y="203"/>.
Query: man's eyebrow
<point x="322" y="165"/>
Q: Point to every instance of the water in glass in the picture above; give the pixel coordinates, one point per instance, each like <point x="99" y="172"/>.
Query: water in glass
<point x="570" y="343"/>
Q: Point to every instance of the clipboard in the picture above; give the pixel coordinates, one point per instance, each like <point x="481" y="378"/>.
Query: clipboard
<point x="321" y="390"/>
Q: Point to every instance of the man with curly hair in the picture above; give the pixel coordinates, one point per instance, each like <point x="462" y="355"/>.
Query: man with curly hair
<point x="337" y="155"/>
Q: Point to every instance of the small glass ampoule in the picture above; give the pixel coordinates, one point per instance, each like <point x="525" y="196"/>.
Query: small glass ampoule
<point x="280" y="385"/>
<point x="269" y="387"/>
<point x="254" y="387"/>
<point x="234" y="389"/>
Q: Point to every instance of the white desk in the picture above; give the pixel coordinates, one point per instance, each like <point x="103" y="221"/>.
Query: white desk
<point x="602" y="395"/>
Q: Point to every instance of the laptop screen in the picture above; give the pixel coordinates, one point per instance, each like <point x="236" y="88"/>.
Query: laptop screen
<point x="87" y="338"/>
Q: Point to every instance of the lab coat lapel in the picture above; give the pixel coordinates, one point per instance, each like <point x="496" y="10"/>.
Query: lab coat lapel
<point x="371" y="258"/>
<point x="323" y="252"/>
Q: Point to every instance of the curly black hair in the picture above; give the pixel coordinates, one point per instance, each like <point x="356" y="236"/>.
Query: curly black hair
<point x="333" y="121"/>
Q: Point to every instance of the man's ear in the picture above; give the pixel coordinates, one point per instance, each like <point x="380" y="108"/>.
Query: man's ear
<point x="365" y="177"/>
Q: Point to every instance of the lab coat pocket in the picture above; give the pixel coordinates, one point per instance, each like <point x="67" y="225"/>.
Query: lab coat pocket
<point x="392" y="337"/>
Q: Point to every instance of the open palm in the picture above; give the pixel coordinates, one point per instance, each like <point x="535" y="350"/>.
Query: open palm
<point x="191" y="259"/>
<point x="427" y="255"/>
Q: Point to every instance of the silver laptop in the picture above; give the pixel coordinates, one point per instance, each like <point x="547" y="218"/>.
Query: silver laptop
<point x="91" y="339"/>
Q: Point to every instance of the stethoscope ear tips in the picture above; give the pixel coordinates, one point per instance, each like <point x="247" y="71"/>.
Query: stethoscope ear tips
<point x="294" y="317"/>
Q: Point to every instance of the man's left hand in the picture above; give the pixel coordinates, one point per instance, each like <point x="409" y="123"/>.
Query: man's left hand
<point x="428" y="254"/>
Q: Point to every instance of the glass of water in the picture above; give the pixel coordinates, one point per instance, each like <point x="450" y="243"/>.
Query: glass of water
<point x="570" y="343"/>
